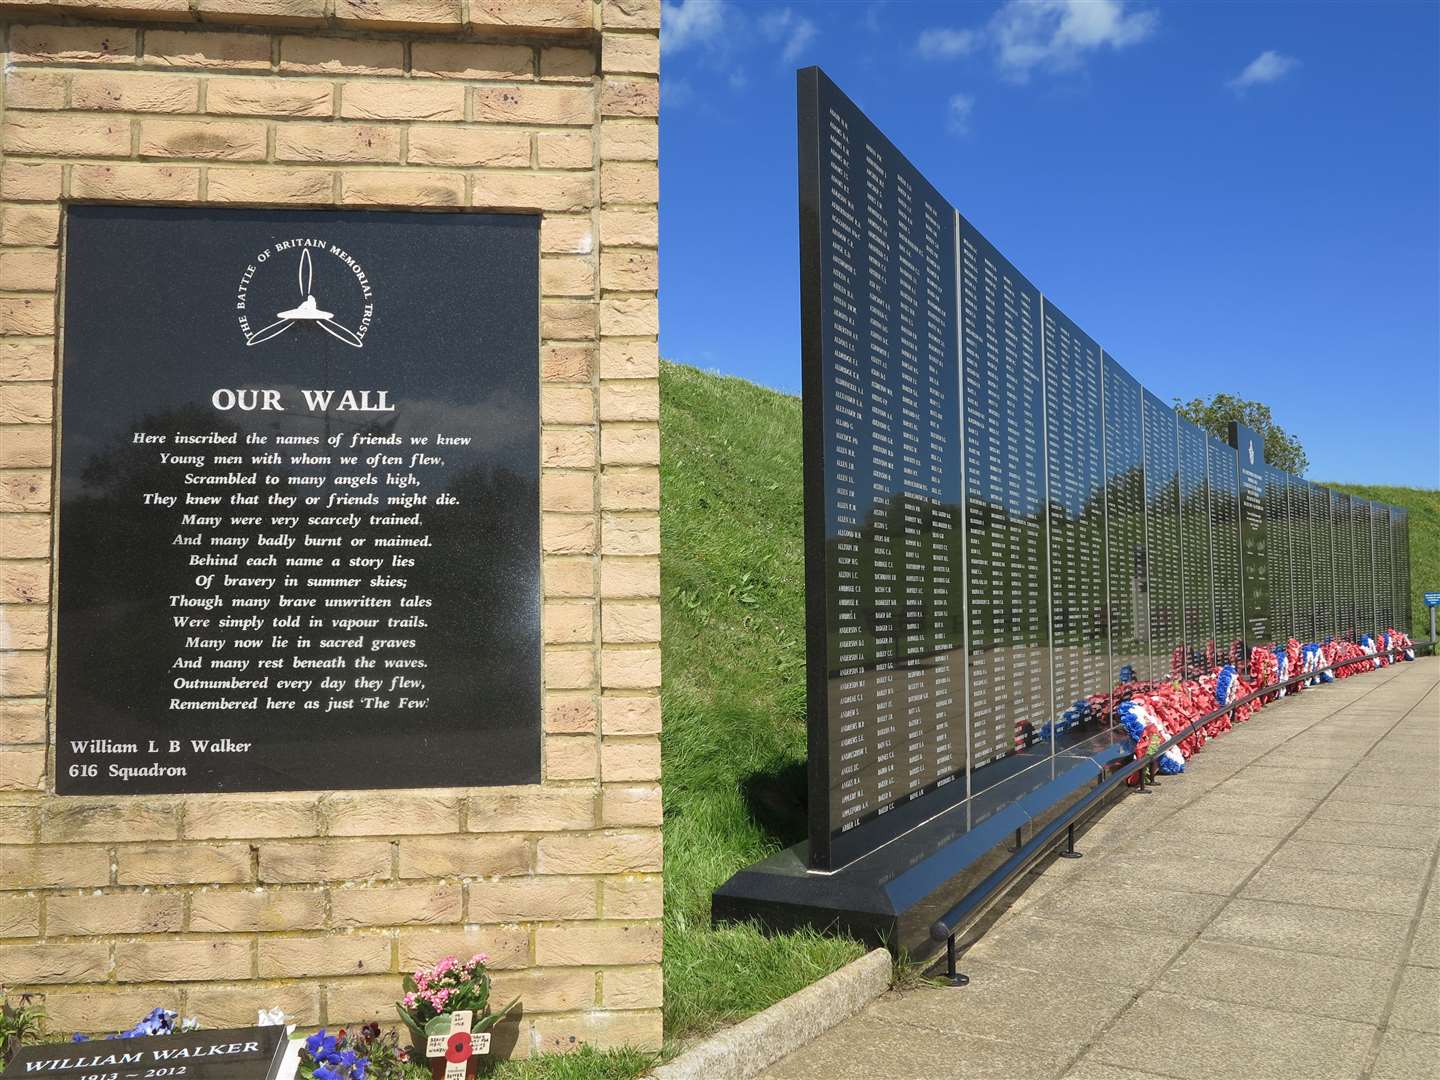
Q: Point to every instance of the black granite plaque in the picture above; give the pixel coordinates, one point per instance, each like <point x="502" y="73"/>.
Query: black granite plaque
<point x="1302" y="582"/>
<point x="1345" y="558"/>
<point x="1277" y="560"/>
<point x="1162" y="534"/>
<point x="1364" y="546"/>
<point x="1401" y="537"/>
<point x="1322" y="561"/>
<point x="1199" y="601"/>
<point x="883" y="477"/>
<point x="1254" y="573"/>
<point x="1075" y="467"/>
<point x="1225" y="549"/>
<point x="226" y="1054"/>
<point x="1007" y="616"/>
<point x="1125" y="528"/>
<point x="1384" y="553"/>
<point x="299" y="540"/>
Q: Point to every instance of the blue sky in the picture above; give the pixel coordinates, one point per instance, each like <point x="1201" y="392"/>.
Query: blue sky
<point x="1238" y="197"/>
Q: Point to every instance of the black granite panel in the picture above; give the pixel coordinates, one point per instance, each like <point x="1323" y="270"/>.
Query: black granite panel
<point x="1322" y="555"/>
<point x="1364" y="541"/>
<point x="1277" y="555"/>
<point x="1199" y="601"/>
<point x="883" y="478"/>
<point x="299" y="501"/>
<point x="1125" y="524"/>
<point x="1404" y="604"/>
<point x="1080" y="642"/>
<point x="1007" y="631"/>
<point x="1225" y="549"/>
<point x="1384" y="553"/>
<point x="1302" y="582"/>
<point x="1162" y="530"/>
<point x="1254" y="547"/>
<point x="1345" y="556"/>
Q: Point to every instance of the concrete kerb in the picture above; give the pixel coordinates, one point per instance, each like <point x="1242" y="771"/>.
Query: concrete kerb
<point x="754" y="1044"/>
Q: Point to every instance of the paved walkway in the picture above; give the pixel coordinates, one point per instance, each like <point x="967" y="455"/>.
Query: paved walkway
<point x="1274" y="912"/>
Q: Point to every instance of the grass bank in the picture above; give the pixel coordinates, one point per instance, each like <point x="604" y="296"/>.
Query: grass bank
<point x="732" y="582"/>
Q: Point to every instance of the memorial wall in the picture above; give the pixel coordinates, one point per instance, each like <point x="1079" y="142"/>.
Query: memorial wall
<point x="1005" y="532"/>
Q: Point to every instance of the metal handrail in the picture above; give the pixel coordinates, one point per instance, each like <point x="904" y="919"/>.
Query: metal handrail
<point x="999" y="880"/>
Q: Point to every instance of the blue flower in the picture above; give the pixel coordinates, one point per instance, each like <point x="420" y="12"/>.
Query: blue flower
<point x="77" y="1037"/>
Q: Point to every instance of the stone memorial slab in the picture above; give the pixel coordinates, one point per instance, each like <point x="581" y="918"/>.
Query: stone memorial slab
<point x="1199" y="629"/>
<point x="1125" y="531"/>
<point x="883" y="475"/>
<point x="1075" y="465"/>
<point x="1162" y="533"/>
<point x="299" y="520"/>
<point x="1322" y="561"/>
<point x="228" y="1054"/>
<point x="1254" y="573"/>
<point x="1222" y="476"/>
<point x="1006" y="592"/>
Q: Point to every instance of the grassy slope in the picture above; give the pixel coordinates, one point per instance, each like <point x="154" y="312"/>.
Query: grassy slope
<point x="1424" y="507"/>
<point x="733" y="593"/>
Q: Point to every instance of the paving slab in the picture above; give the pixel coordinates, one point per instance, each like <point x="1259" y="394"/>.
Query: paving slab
<point x="1239" y="824"/>
<point x="1350" y="809"/>
<point x="1417" y="1004"/>
<point x="1420" y="835"/>
<point x="1362" y="934"/>
<point x="899" y="1051"/>
<point x="1216" y="876"/>
<point x="1158" y="845"/>
<point x="1425" y="948"/>
<point x="1375" y="791"/>
<point x="1407" y="1055"/>
<point x="1142" y="906"/>
<point x="1061" y="1014"/>
<point x="1342" y="988"/>
<point x="1324" y="888"/>
<point x="1398" y="863"/>
<point x="1089" y="1069"/>
<point x="1109" y="954"/>
<point x="1215" y="1040"/>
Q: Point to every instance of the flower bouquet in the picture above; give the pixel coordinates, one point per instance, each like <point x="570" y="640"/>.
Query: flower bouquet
<point x="447" y="1009"/>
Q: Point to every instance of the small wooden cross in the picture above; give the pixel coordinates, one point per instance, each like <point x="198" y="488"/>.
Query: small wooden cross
<point x="457" y="1045"/>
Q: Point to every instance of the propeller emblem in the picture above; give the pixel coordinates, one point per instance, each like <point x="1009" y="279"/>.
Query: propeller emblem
<point x="307" y="311"/>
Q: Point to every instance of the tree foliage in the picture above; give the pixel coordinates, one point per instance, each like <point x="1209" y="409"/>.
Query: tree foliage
<point x="1282" y="449"/>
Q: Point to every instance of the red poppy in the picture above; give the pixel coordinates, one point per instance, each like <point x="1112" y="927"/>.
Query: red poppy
<point x="457" y="1047"/>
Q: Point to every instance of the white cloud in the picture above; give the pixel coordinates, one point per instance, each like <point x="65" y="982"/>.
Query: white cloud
<point x="1055" y="35"/>
<point x="1270" y="66"/>
<point x="957" y="113"/>
<point x="794" y="31"/>
<point x="676" y="93"/>
<point x="691" y="22"/>
<point x="943" y="43"/>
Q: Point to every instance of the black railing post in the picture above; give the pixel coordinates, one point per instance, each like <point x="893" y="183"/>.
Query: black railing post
<point x="951" y="975"/>
<point x="1070" y="852"/>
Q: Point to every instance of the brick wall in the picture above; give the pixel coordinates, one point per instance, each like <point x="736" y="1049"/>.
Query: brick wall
<point x="220" y="905"/>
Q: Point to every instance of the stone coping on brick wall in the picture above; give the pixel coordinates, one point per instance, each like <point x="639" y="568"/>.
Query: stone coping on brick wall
<point x="489" y="18"/>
